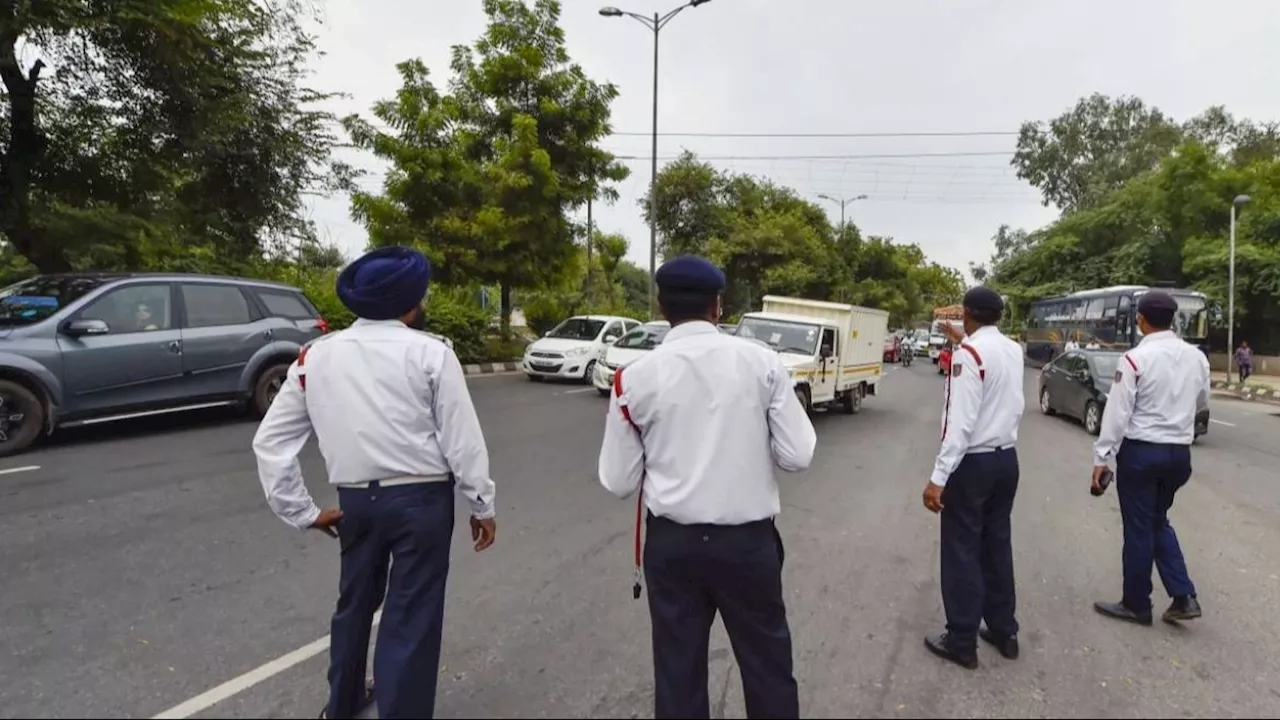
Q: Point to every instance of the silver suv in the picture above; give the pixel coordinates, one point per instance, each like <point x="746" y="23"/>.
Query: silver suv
<point x="78" y="349"/>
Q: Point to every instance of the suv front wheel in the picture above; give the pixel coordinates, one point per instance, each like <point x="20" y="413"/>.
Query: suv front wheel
<point x="21" y="417"/>
<point x="268" y="386"/>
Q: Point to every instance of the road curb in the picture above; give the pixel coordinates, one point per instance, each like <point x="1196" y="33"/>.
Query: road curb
<point x="1252" y="393"/>
<point x="491" y="368"/>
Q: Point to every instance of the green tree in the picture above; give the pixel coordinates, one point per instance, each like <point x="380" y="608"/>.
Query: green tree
<point x="174" y="134"/>
<point x="1081" y="156"/>
<point x="484" y="178"/>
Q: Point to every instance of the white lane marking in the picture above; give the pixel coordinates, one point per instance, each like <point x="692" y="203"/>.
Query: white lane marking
<point x="579" y="390"/>
<point x="25" y="468"/>
<point x="235" y="686"/>
<point x="1221" y="422"/>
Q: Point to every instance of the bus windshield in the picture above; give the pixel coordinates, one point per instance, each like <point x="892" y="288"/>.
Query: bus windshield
<point x="1192" y="320"/>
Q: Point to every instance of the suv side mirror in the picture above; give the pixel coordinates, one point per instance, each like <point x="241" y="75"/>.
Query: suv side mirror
<point x="85" y="326"/>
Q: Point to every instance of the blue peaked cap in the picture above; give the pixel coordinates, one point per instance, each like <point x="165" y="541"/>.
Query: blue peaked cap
<point x="690" y="273"/>
<point x="386" y="283"/>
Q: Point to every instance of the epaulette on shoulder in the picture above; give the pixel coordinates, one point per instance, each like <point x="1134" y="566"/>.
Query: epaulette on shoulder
<point x="447" y="342"/>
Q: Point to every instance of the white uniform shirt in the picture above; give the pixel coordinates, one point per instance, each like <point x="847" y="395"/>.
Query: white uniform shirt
<point x="1070" y="345"/>
<point x="715" y="414"/>
<point x="384" y="402"/>
<point x="1159" y="387"/>
<point x="984" y="400"/>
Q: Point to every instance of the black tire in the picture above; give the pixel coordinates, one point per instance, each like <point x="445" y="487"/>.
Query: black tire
<point x="603" y="392"/>
<point x="1092" y="418"/>
<point x="1046" y="402"/>
<point x="19" y="400"/>
<point x="802" y="394"/>
<point x="265" y="389"/>
<point x="587" y="372"/>
<point x="853" y="401"/>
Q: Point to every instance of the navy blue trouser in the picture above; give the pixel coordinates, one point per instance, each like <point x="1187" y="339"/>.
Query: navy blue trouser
<point x="1148" y="475"/>
<point x="692" y="572"/>
<point x="977" y="547"/>
<point x="404" y="531"/>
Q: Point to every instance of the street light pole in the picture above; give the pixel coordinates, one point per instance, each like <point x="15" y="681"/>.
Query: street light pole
<point x="654" y="23"/>
<point x="1231" y="285"/>
<point x="842" y="202"/>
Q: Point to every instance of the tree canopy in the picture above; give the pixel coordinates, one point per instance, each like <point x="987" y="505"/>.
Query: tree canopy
<point x="161" y="134"/>
<point x="1148" y="201"/>
<point x="768" y="239"/>
<point x="483" y="178"/>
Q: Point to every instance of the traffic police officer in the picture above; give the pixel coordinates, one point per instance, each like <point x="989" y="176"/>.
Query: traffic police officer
<point x="395" y="424"/>
<point x="1149" y="425"/>
<point x="697" y="426"/>
<point x="973" y="485"/>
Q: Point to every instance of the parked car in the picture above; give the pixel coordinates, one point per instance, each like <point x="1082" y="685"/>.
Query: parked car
<point x="1076" y="384"/>
<point x="728" y="328"/>
<point x="628" y="348"/>
<point x="86" y="348"/>
<point x="572" y="349"/>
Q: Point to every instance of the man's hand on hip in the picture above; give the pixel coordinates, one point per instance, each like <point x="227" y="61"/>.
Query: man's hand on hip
<point x="483" y="532"/>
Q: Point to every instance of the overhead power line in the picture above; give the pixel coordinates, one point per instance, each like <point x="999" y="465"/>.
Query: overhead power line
<point x="991" y="133"/>
<point x="874" y="156"/>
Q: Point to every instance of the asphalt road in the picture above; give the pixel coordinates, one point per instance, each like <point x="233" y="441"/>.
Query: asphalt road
<point x="142" y="568"/>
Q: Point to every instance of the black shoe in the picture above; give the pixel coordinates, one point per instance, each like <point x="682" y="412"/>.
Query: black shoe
<point x="938" y="645"/>
<point x="1007" y="645"/>
<point x="1119" y="611"/>
<point x="1186" y="607"/>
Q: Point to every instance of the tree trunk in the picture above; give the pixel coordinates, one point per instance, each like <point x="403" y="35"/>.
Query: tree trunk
<point x="21" y="155"/>
<point x="505" y="310"/>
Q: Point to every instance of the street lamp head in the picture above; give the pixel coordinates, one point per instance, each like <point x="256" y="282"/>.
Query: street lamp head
<point x="610" y="12"/>
<point x="861" y="197"/>
<point x="1241" y="200"/>
<point x="826" y="197"/>
<point x="696" y="3"/>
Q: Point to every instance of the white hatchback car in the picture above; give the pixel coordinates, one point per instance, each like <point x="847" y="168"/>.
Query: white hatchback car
<point x="572" y="349"/>
<point x="629" y="348"/>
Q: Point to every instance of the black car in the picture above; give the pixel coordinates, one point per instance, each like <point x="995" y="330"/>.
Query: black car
<point x="1076" y="384"/>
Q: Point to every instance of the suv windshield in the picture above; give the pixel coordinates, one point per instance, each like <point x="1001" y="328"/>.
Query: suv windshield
<point x="781" y="335"/>
<point x="577" y="329"/>
<point x="645" y="337"/>
<point x="31" y="301"/>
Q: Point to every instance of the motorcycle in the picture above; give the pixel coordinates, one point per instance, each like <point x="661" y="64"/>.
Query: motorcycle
<point x="906" y="356"/>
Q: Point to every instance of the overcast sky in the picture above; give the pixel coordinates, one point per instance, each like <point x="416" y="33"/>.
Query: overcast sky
<point x="846" y="66"/>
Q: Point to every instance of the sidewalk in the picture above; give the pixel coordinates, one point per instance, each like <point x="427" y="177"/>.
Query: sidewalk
<point x="1260" y="388"/>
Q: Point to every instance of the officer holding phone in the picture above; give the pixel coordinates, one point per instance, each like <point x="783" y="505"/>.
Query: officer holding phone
<point x="390" y="408"/>
<point x="1148" y="426"/>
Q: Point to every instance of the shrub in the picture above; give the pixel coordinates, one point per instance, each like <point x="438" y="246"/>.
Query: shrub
<point x="455" y="314"/>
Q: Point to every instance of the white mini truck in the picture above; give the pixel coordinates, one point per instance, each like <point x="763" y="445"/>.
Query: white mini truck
<point x="832" y="350"/>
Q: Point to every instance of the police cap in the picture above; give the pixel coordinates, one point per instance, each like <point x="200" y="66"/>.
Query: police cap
<point x="983" y="299"/>
<point x="1158" y="307"/>
<point x="690" y="274"/>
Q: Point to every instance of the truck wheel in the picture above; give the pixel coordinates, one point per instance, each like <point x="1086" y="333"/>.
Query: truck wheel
<point x="268" y="386"/>
<point x="603" y="392"/>
<point x="21" y="417"/>
<point x="853" y="399"/>
<point x="802" y="394"/>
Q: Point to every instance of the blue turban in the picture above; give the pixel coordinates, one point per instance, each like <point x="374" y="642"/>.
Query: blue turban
<point x="386" y="283"/>
<point x="690" y="274"/>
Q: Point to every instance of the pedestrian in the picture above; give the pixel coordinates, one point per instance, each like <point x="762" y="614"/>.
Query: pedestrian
<point x="696" y="427"/>
<point x="1244" y="360"/>
<point x="1149" y="425"/>
<point x="394" y="421"/>
<point x="973" y="485"/>
<point x="1092" y="345"/>
<point x="1070" y="345"/>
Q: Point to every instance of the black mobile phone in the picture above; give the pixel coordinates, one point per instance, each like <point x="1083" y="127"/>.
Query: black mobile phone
<point x="1104" y="482"/>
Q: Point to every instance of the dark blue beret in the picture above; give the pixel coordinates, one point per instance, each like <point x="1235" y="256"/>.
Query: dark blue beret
<point x="386" y="283"/>
<point x="1157" y="301"/>
<point x="690" y="273"/>
<point x="983" y="298"/>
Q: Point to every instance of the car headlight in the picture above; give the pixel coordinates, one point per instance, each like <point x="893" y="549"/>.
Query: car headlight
<point x="577" y="352"/>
